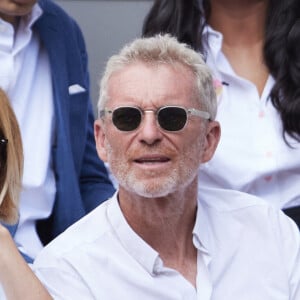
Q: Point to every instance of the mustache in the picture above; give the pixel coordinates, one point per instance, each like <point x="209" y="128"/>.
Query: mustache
<point x="142" y="149"/>
<point x="152" y="149"/>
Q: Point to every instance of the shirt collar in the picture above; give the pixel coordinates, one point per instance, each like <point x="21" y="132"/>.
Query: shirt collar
<point x="13" y="42"/>
<point x="214" y="39"/>
<point x="201" y="233"/>
<point x="28" y="20"/>
<point x="138" y="249"/>
<point x="143" y="253"/>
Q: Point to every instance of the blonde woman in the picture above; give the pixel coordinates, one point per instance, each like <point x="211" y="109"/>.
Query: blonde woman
<point x="17" y="281"/>
<point x="11" y="162"/>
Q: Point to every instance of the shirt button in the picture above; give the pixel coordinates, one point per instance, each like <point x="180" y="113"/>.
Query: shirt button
<point x="269" y="154"/>
<point x="261" y="114"/>
<point x="268" y="178"/>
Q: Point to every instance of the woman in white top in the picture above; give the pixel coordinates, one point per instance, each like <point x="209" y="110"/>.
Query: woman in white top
<point x="17" y="281"/>
<point x="252" y="46"/>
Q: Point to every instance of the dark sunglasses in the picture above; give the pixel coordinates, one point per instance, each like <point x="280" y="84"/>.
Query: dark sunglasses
<point x="169" y="118"/>
<point x="3" y="153"/>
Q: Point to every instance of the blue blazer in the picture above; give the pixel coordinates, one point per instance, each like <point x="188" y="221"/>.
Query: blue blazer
<point x="82" y="182"/>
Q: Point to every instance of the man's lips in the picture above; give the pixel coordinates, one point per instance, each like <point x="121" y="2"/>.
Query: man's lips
<point x="152" y="159"/>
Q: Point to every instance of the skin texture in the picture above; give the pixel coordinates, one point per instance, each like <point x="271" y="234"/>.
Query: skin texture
<point x="16" y="277"/>
<point x="10" y="10"/>
<point x="157" y="170"/>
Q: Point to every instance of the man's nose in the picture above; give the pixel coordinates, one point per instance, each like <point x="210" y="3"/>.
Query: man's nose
<point x="150" y="132"/>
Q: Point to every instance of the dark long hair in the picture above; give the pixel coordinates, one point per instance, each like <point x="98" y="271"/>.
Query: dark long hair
<point x="185" y="20"/>
<point x="180" y="18"/>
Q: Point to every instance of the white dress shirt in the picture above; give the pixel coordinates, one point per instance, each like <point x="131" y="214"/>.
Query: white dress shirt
<point x="26" y="77"/>
<point x="246" y="250"/>
<point x="252" y="156"/>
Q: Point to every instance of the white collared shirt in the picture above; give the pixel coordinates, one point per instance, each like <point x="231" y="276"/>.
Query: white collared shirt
<point x="26" y="77"/>
<point x="252" y="156"/>
<point x="246" y="250"/>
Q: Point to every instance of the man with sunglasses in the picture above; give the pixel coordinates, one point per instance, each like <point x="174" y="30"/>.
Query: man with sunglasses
<point x="156" y="238"/>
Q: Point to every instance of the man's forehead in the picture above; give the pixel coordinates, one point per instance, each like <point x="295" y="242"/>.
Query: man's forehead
<point x="151" y="80"/>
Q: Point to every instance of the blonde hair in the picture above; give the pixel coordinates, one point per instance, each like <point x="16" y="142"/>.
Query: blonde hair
<point x="11" y="170"/>
<point x="163" y="49"/>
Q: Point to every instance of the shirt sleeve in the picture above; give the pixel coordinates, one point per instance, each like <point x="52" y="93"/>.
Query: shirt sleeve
<point x="289" y="239"/>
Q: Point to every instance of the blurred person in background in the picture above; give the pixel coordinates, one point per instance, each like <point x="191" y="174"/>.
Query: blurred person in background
<point x="253" y="50"/>
<point x="16" y="278"/>
<point x="44" y="72"/>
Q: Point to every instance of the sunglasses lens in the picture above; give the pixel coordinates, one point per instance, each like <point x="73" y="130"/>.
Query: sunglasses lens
<point x="126" y="118"/>
<point x="172" y="118"/>
<point x="3" y="149"/>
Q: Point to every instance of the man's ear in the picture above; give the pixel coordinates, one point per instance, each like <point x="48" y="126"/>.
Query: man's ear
<point x="100" y="139"/>
<point x="212" y="137"/>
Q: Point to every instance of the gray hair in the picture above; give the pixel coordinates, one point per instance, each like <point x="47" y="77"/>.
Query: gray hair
<point x="163" y="49"/>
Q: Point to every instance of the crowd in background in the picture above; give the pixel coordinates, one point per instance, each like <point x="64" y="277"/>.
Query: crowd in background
<point x="51" y="175"/>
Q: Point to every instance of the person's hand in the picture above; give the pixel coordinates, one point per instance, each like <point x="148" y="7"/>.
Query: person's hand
<point x="8" y="249"/>
<point x="16" y="277"/>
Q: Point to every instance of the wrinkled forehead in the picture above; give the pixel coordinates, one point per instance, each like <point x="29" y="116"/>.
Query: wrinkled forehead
<point x="142" y="83"/>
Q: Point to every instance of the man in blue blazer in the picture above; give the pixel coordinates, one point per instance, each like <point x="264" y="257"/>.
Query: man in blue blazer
<point x="79" y="179"/>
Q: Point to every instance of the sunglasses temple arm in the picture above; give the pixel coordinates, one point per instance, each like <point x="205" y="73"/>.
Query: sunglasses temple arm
<point x="199" y="113"/>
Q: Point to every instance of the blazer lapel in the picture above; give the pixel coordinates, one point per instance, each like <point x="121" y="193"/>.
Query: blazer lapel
<point x="66" y="71"/>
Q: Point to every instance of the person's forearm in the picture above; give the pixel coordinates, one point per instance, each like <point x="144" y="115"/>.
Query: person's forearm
<point x="17" y="279"/>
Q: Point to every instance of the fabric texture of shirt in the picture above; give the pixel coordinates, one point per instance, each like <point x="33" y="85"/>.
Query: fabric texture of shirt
<point x="247" y="250"/>
<point x="252" y="156"/>
<point x="26" y="77"/>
